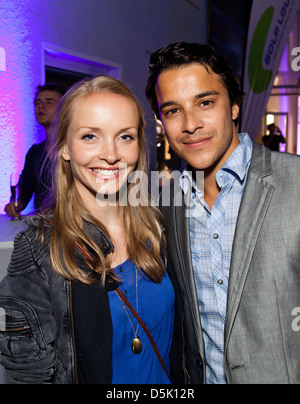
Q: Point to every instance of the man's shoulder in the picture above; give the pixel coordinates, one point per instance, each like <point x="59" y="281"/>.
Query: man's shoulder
<point x="281" y="170"/>
<point x="287" y="158"/>
<point x="275" y="154"/>
<point x="279" y="162"/>
<point x="37" y="149"/>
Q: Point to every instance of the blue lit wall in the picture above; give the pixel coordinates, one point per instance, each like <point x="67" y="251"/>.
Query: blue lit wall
<point x="18" y="130"/>
<point x="121" y="31"/>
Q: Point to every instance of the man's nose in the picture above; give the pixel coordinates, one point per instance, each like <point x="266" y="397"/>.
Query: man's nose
<point x="191" y="122"/>
<point x="40" y="106"/>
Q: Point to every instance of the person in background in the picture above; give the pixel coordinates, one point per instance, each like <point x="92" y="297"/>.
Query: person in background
<point x="72" y="268"/>
<point x="274" y="138"/>
<point x="233" y="245"/>
<point x="36" y="178"/>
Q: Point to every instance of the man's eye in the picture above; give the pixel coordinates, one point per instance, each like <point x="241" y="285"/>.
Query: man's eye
<point x="206" y="103"/>
<point x="171" y="111"/>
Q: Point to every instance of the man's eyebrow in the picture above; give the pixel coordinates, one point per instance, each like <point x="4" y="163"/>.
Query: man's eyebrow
<point x="46" y="99"/>
<point x="167" y="104"/>
<point x="196" y="97"/>
<point x="206" y="94"/>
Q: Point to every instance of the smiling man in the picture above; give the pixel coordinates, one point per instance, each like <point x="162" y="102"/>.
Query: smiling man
<point x="198" y="119"/>
<point x="236" y="262"/>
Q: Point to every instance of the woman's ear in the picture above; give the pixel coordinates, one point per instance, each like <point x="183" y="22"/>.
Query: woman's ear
<point x="65" y="153"/>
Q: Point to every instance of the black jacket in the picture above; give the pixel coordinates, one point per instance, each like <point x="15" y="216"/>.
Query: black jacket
<point x="57" y="331"/>
<point x="36" y="176"/>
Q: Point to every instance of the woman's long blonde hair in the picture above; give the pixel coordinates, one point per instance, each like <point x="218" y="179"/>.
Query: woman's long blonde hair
<point x="143" y="224"/>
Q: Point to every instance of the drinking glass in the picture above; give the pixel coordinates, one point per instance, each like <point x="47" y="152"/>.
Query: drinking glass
<point x="15" y="188"/>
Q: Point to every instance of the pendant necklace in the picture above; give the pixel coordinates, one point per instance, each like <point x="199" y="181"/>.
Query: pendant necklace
<point x="136" y="343"/>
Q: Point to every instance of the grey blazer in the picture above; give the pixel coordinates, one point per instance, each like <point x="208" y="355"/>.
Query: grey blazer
<point x="261" y="344"/>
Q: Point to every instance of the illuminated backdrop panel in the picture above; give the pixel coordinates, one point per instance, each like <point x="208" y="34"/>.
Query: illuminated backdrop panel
<point x="18" y="80"/>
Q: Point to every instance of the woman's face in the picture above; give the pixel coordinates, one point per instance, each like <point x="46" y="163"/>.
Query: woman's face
<point x="102" y="143"/>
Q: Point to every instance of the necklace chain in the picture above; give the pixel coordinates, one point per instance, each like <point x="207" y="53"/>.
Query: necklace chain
<point x="137" y="304"/>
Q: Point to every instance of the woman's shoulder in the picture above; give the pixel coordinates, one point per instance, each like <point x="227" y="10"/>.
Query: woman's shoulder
<point x="38" y="230"/>
<point x="31" y="246"/>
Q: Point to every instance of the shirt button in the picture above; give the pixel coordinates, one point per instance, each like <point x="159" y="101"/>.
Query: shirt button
<point x="216" y="236"/>
<point x="220" y="282"/>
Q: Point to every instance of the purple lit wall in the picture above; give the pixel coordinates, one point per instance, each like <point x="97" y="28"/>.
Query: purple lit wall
<point x="18" y="129"/>
<point x="121" y="31"/>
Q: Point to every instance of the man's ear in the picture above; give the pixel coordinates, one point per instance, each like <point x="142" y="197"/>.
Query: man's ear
<point x="235" y="111"/>
<point x="65" y="153"/>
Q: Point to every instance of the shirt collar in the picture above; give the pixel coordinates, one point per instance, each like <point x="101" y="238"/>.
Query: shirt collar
<point x="238" y="163"/>
<point x="236" y="166"/>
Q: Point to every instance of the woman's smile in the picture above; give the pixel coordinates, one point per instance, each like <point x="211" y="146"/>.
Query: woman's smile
<point x="103" y="146"/>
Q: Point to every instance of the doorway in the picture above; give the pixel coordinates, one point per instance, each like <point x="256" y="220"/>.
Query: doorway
<point x="280" y="120"/>
<point x="66" y="67"/>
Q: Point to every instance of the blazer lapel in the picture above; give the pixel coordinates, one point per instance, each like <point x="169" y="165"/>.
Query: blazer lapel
<point x="182" y="232"/>
<point x="257" y="196"/>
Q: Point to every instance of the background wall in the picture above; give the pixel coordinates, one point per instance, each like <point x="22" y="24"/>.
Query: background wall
<point x="121" y="31"/>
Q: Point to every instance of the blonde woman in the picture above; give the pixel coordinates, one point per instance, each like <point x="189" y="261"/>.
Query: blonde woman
<point x="78" y="271"/>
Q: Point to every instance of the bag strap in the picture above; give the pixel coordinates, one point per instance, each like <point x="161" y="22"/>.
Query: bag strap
<point x="134" y="313"/>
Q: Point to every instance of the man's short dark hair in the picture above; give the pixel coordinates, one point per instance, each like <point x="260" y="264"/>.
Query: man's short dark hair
<point x="180" y="54"/>
<point x="51" y="87"/>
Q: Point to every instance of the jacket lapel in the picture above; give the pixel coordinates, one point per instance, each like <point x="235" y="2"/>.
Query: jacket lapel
<point x="257" y="196"/>
<point x="182" y="225"/>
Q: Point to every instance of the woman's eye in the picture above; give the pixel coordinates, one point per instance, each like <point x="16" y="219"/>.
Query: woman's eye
<point x="127" y="137"/>
<point x="88" y="137"/>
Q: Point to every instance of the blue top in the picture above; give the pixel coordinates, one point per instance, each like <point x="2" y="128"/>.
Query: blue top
<point x="156" y="310"/>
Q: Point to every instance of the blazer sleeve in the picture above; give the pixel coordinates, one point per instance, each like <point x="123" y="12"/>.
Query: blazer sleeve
<point x="27" y="351"/>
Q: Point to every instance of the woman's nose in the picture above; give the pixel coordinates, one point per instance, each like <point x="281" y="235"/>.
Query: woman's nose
<point x="109" y="153"/>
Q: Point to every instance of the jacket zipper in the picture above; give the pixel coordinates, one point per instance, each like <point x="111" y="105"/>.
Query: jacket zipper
<point x="186" y="375"/>
<point x="73" y="334"/>
<point x="25" y="328"/>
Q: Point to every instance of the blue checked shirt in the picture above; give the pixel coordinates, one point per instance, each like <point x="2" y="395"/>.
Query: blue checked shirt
<point x="212" y="234"/>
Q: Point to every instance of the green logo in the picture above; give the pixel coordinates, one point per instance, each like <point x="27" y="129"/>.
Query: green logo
<point x="259" y="78"/>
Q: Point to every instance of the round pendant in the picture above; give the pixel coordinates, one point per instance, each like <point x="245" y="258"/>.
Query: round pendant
<point x="136" y="346"/>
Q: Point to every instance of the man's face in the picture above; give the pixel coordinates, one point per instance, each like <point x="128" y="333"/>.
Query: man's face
<point x="197" y="116"/>
<point x="46" y="104"/>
